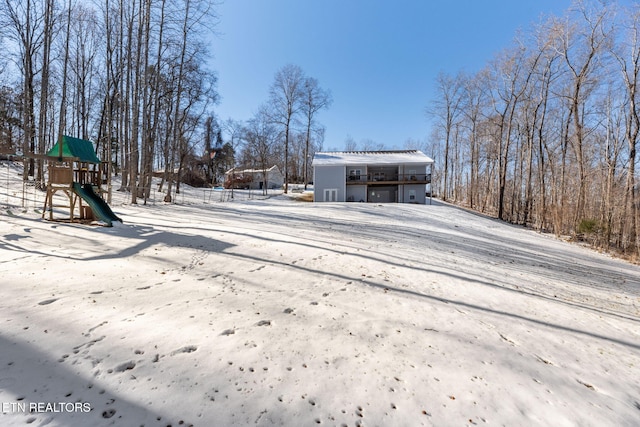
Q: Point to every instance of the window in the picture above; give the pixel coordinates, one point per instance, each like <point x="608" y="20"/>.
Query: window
<point x="354" y="174"/>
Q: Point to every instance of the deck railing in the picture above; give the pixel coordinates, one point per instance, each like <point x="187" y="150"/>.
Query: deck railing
<point x="377" y="178"/>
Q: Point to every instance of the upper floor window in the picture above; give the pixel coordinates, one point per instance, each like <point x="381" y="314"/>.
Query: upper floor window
<point x="354" y="174"/>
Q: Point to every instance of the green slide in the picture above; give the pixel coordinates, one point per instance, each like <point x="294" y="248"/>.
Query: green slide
<point x="99" y="207"/>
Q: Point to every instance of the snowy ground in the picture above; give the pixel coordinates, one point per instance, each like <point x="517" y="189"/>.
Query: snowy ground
<point x="278" y="312"/>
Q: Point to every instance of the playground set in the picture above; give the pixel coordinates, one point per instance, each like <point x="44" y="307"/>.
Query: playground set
<point x="76" y="171"/>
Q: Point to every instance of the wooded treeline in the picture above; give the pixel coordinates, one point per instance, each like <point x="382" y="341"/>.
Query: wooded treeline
<point x="130" y="75"/>
<point x="285" y="131"/>
<point x="546" y="134"/>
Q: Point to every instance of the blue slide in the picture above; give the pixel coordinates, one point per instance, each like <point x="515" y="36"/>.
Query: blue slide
<point x="99" y="207"/>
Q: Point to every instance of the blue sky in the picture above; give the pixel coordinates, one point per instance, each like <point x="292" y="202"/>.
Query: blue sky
<point x="379" y="59"/>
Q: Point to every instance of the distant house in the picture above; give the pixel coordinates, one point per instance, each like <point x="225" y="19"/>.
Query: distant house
<point x="254" y="179"/>
<point x="399" y="176"/>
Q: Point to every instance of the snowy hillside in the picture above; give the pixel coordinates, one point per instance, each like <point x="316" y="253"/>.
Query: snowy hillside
<point x="279" y="312"/>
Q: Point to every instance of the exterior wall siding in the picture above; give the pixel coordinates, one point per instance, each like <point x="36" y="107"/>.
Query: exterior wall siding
<point x="414" y="193"/>
<point x="329" y="178"/>
<point x="356" y="193"/>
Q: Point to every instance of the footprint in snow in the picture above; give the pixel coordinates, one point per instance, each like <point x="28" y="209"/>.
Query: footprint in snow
<point x="108" y="413"/>
<point x="127" y="366"/>
<point x="587" y="385"/>
<point x="507" y="339"/>
<point x="543" y="360"/>
<point x="185" y="349"/>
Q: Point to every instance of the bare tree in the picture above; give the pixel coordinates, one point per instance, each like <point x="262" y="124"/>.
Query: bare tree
<point x="65" y="66"/>
<point x="260" y="136"/>
<point x="24" y="21"/>
<point x="350" y="144"/>
<point x="43" y="118"/>
<point x="153" y="96"/>
<point x="447" y="109"/>
<point x="581" y="47"/>
<point x="616" y="131"/>
<point x="627" y="54"/>
<point x="369" y="144"/>
<point x="504" y="95"/>
<point x="234" y="130"/>
<point x="473" y="99"/>
<point x="178" y="115"/>
<point x="85" y="39"/>
<point x="286" y="98"/>
<point x="542" y="100"/>
<point x="315" y="99"/>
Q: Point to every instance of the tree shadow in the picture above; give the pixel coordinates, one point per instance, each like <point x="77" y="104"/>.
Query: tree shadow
<point x="389" y="289"/>
<point x="550" y="269"/>
<point x="28" y="376"/>
<point x="546" y="270"/>
<point x="472" y="241"/>
<point x="140" y="237"/>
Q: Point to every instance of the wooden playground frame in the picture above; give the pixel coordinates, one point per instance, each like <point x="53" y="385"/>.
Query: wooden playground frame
<point x="61" y="178"/>
<point x="67" y="174"/>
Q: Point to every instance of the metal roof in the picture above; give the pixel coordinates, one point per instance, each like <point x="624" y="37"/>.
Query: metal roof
<point x="250" y="171"/>
<point x="388" y="157"/>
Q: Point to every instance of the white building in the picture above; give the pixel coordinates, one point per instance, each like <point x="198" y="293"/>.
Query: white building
<point x="399" y="176"/>
<point x="255" y="179"/>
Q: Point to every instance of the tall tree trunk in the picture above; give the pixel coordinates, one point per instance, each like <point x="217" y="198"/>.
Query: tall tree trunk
<point x="147" y="137"/>
<point x="63" y="95"/>
<point x="137" y="79"/>
<point x="178" y="114"/>
<point x="43" y="129"/>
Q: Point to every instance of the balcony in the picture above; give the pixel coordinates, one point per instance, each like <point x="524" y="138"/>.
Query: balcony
<point x="388" y="179"/>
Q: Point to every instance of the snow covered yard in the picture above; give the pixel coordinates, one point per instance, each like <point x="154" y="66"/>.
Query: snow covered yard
<point x="277" y="312"/>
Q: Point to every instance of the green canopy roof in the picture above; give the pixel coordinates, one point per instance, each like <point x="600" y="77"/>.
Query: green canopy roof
<point x="76" y="148"/>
